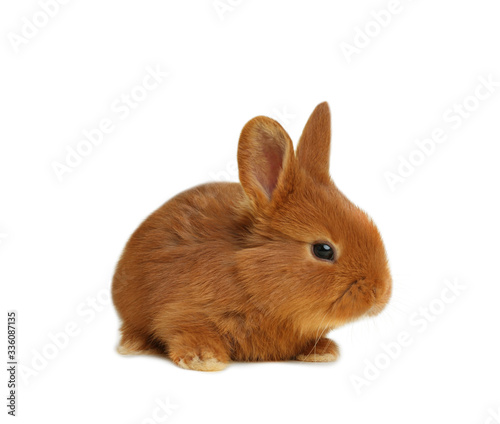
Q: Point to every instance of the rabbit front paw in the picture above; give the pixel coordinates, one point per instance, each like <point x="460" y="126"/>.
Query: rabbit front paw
<point x="322" y="350"/>
<point x="201" y="361"/>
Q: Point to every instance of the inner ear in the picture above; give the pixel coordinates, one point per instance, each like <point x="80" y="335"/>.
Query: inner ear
<point x="268" y="172"/>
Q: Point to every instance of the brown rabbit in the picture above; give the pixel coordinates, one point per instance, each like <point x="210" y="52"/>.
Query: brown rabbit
<point x="253" y="272"/>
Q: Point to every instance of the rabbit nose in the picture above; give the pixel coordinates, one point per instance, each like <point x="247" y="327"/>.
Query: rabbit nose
<point x="380" y="287"/>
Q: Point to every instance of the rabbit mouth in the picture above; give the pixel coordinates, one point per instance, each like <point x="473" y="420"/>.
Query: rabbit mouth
<point x="359" y="285"/>
<point x="347" y="290"/>
<point x="337" y="301"/>
<point x="357" y="299"/>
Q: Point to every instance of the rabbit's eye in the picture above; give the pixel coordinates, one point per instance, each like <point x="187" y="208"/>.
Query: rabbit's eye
<point x="323" y="251"/>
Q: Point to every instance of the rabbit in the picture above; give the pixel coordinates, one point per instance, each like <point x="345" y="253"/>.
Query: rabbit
<point x="257" y="271"/>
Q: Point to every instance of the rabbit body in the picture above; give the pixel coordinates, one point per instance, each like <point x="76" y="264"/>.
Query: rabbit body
<point x="227" y="271"/>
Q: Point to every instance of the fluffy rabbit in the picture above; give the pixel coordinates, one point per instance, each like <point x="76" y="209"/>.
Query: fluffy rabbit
<point x="257" y="271"/>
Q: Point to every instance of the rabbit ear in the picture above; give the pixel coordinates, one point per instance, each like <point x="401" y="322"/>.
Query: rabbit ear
<point x="265" y="157"/>
<point x="313" y="150"/>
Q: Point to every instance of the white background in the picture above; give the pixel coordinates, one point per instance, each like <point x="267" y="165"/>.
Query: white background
<point x="60" y="239"/>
